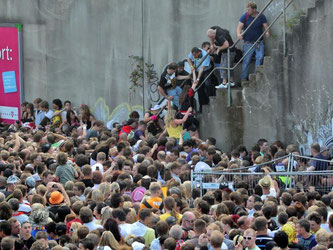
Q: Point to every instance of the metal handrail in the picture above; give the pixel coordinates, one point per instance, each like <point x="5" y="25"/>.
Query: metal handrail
<point x="254" y="44"/>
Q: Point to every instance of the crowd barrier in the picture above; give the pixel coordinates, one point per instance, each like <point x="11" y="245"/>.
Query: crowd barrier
<point x="295" y="174"/>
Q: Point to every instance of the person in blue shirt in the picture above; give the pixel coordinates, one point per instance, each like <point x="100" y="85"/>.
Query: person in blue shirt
<point x="251" y="36"/>
<point x="200" y="71"/>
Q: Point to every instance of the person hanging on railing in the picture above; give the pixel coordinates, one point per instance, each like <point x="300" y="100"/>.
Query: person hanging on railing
<point x="167" y="86"/>
<point x="186" y="100"/>
<point x="221" y="40"/>
<point x="200" y="70"/>
<point x="251" y="36"/>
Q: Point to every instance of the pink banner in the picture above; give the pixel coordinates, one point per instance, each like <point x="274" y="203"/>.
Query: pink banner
<point x="10" y="85"/>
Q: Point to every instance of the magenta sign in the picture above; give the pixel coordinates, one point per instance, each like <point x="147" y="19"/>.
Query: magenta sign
<point x="10" y="72"/>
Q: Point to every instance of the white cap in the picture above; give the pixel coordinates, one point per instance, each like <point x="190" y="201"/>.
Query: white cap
<point x="156" y="107"/>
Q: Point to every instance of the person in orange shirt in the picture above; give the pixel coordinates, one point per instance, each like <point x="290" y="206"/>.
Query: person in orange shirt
<point x="155" y="200"/>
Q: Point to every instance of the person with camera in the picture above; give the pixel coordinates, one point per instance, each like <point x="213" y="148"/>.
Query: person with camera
<point x="56" y="197"/>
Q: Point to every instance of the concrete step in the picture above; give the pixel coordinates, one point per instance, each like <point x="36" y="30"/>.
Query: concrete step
<point x="320" y="6"/>
<point x="312" y="14"/>
<point x="327" y="6"/>
<point x="267" y="60"/>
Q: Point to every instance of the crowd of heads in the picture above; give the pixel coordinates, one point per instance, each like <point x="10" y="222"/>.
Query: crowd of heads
<point x="92" y="187"/>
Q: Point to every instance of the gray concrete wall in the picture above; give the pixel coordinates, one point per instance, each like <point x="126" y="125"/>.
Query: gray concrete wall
<point x="289" y="98"/>
<point x="79" y="49"/>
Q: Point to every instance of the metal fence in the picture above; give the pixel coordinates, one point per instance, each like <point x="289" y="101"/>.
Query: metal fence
<point x="295" y="174"/>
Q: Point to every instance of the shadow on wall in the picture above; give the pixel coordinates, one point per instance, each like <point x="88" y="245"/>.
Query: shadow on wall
<point x="101" y="111"/>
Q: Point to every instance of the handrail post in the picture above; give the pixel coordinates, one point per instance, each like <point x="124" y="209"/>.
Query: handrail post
<point x="288" y="171"/>
<point x="229" y="91"/>
<point x="192" y="180"/>
<point x="291" y="169"/>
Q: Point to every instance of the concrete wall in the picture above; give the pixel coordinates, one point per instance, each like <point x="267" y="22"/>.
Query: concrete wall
<point x="289" y="98"/>
<point x="79" y="49"/>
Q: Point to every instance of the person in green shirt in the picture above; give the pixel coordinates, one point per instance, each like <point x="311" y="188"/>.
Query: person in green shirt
<point x="65" y="171"/>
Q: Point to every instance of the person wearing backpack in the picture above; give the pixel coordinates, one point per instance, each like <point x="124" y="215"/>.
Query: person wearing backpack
<point x="155" y="200"/>
<point x="251" y="36"/>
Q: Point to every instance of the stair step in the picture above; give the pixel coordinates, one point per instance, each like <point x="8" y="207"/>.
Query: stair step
<point x="320" y="6"/>
<point x="312" y="14"/>
<point x="252" y="77"/>
<point x="267" y="60"/>
<point x="328" y="7"/>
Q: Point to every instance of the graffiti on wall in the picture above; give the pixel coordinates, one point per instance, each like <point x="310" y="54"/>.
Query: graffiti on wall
<point x="101" y="111"/>
<point x="322" y="135"/>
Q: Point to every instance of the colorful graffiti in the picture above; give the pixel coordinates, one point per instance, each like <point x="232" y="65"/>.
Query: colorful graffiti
<point x="119" y="114"/>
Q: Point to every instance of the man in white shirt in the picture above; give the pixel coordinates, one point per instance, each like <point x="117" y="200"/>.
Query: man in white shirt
<point x="44" y="105"/>
<point x="267" y="186"/>
<point x="98" y="166"/>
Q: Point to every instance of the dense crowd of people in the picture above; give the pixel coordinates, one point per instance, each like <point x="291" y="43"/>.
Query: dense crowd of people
<point x="69" y="182"/>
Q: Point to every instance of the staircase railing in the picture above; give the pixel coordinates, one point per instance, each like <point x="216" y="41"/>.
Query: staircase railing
<point x="229" y="69"/>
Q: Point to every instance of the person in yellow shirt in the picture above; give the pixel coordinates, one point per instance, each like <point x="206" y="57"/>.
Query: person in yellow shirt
<point x="170" y="209"/>
<point x="57" y="106"/>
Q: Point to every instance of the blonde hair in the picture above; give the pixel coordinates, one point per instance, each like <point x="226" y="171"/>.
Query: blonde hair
<point x="107" y="239"/>
<point x="96" y="195"/>
<point x="106" y="214"/>
<point x="127" y="204"/>
<point x="187" y="189"/>
<point x="252" y="4"/>
<point x="105" y="188"/>
<point x="132" y="216"/>
<point x="322" y="237"/>
<point x="169" y="117"/>
<point x="69" y="185"/>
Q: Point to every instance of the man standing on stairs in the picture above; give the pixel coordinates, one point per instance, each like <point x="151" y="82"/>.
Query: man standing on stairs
<point x="251" y="36"/>
<point x="200" y="71"/>
<point x="221" y="40"/>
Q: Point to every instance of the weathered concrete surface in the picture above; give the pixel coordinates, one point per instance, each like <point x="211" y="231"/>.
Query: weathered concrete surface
<point x="289" y="98"/>
<point x="79" y="49"/>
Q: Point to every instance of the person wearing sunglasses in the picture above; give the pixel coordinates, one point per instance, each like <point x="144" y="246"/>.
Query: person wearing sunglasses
<point x="250" y="240"/>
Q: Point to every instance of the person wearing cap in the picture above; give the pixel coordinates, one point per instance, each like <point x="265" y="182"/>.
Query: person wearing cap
<point x="268" y="187"/>
<point x="57" y="196"/>
<point x="167" y="86"/>
<point x="12" y="181"/>
<point x="15" y="205"/>
<point x="154" y="122"/>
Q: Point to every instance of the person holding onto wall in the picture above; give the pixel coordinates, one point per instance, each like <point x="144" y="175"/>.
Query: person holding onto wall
<point x="251" y="36"/>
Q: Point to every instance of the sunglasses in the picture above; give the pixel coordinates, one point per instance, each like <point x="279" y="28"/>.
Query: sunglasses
<point x="190" y="221"/>
<point x="247" y="238"/>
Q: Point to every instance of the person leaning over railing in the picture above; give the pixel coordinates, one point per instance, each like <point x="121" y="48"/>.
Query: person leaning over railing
<point x="221" y="39"/>
<point x="251" y="36"/>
